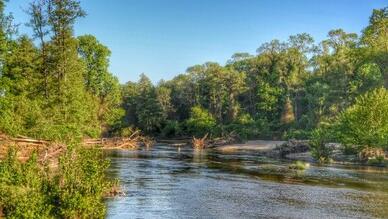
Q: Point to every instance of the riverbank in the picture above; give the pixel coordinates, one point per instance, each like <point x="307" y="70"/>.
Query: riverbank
<point x="254" y="145"/>
<point x="298" y="150"/>
<point x="293" y="150"/>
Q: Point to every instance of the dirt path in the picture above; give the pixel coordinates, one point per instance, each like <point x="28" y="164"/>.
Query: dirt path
<point x="256" y="145"/>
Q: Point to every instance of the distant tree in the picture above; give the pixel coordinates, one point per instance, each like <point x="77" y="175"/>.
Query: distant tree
<point x="240" y="56"/>
<point x="183" y="95"/>
<point x="163" y="94"/>
<point x="201" y="122"/>
<point x="148" y="109"/>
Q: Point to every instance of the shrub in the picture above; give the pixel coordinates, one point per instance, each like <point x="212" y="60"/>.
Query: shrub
<point x="243" y="126"/>
<point x="200" y="122"/>
<point x="319" y="150"/>
<point x="365" y="123"/>
<point x="74" y="190"/>
<point x="127" y="131"/>
<point x="22" y="188"/>
<point x="299" y="134"/>
<point x="172" y="129"/>
<point x="81" y="184"/>
<point x="248" y="128"/>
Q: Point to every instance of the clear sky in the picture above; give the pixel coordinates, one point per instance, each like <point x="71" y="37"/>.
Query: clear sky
<point x="163" y="37"/>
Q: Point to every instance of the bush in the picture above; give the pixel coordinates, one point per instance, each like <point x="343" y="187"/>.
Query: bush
<point x="23" y="188"/>
<point x="200" y="122"/>
<point x="319" y="150"/>
<point x="171" y="129"/>
<point x="365" y="123"/>
<point x="243" y="126"/>
<point x="74" y="190"/>
<point x="248" y="128"/>
<point x="81" y="184"/>
<point x="298" y="134"/>
<point x="127" y="131"/>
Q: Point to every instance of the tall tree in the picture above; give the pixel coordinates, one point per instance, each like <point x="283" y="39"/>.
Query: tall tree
<point x="99" y="81"/>
<point x="39" y="24"/>
<point x="375" y="37"/>
<point x="148" y="108"/>
<point x="67" y="104"/>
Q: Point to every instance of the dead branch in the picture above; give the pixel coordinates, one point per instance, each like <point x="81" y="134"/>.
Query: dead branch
<point x="199" y="143"/>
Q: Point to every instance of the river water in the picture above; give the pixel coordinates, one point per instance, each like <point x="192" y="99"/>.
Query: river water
<point x="171" y="182"/>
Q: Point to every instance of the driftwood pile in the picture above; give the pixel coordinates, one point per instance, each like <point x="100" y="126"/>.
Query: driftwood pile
<point x="47" y="151"/>
<point x="371" y="153"/>
<point x="134" y="141"/>
<point x="201" y="143"/>
<point x="50" y="151"/>
<point x="226" y="139"/>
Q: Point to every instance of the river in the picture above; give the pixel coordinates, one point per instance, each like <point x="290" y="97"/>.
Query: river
<point x="171" y="182"/>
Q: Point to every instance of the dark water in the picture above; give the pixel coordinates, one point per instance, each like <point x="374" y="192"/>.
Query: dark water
<point x="167" y="182"/>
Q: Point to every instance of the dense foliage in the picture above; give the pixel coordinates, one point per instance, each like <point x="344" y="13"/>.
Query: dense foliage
<point x="75" y="190"/>
<point x="285" y="91"/>
<point x="60" y="89"/>
<point x="55" y="86"/>
<point x="365" y="123"/>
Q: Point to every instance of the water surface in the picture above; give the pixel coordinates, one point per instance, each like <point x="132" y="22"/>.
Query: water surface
<point x="171" y="182"/>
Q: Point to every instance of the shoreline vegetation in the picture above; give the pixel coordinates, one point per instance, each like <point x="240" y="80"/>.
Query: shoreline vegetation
<point x="56" y="86"/>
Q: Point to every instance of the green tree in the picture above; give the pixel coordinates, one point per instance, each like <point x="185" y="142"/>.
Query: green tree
<point x="163" y="93"/>
<point x="67" y="105"/>
<point x="99" y="81"/>
<point x="201" y="122"/>
<point x="375" y="37"/>
<point x="365" y="124"/>
<point x="20" y="111"/>
<point x="143" y="108"/>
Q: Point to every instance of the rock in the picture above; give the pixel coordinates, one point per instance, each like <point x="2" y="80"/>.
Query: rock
<point x="290" y="147"/>
<point x="306" y="156"/>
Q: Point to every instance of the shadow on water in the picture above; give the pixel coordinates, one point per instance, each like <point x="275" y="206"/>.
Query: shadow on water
<point x="171" y="182"/>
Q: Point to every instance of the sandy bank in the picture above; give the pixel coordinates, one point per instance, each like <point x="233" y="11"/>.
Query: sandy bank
<point x="256" y="145"/>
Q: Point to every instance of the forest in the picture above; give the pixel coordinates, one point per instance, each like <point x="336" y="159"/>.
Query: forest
<point x="57" y="86"/>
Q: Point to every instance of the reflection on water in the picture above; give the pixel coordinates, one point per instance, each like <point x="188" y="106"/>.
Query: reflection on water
<point x="170" y="182"/>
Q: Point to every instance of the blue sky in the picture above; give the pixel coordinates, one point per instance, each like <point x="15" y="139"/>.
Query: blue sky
<point x="163" y="37"/>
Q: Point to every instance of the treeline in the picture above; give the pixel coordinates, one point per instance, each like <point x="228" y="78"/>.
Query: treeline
<point x="58" y="86"/>
<point x="284" y="91"/>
